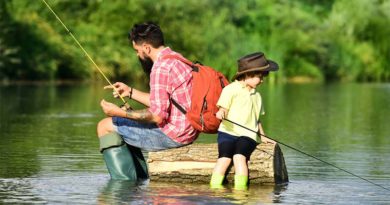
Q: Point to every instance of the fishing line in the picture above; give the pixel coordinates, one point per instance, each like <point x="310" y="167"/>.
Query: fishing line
<point x="124" y="101"/>
<point x="85" y="52"/>
<point x="325" y="162"/>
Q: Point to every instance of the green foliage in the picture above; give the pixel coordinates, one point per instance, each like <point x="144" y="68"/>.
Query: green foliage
<point x="8" y="51"/>
<point x="39" y="52"/>
<point x="357" y="42"/>
<point x="318" y="40"/>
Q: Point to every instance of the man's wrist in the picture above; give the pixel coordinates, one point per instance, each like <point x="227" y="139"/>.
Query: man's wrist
<point x="129" y="114"/>
<point x="131" y="93"/>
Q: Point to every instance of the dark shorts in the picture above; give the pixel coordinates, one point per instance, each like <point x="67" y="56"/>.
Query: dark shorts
<point x="229" y="145"/>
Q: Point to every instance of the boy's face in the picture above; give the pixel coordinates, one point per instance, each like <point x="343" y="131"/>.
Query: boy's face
<point x="255" y="79"/>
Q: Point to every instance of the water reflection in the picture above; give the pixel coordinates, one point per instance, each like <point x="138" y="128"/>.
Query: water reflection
<point x="119" y="191"/>
<point x="116" y="192"/>
<point x="49" y="151"/>
<point x="17" y="191"/>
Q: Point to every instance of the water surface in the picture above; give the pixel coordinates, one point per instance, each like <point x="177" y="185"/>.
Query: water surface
<point x="49" y="150"/>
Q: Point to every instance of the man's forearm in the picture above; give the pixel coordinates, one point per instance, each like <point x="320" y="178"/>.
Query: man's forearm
<point x="141" y="97"/>
<point x="142" y="115"/>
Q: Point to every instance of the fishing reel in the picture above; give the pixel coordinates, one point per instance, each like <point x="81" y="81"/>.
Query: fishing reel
<point x="126" y="107"/>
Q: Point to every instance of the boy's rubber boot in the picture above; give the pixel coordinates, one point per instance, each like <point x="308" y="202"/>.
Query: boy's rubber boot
<point x="139" y="162"/>
<point x="216" y="180"/>
<point x="119" y="160"/>
<point x="240" y="182"/>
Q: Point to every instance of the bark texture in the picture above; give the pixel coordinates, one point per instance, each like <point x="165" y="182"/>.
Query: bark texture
<point x="194" y="164"/>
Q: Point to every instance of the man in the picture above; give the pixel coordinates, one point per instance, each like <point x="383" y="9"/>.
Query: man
<point x="160" y="126"/>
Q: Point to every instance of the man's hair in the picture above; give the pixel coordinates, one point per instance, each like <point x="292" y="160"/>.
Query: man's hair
<point x="147" y="33"/>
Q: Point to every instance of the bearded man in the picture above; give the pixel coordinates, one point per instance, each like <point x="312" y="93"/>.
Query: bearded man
<point x="158" y="127"/>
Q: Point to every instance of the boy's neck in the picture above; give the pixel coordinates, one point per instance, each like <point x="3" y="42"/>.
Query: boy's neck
<point x="247" y="86"/>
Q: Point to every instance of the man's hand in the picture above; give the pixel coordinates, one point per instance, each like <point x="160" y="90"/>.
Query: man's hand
<point x="119" y="88"/>
<point x="111" y="109"/>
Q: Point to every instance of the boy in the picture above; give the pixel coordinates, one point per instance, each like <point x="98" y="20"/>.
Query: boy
<point x="241" y="103"/>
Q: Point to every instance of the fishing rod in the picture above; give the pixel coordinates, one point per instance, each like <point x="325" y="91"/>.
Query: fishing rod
<point x="325" y="162"/>
<point x="125" y="104"/>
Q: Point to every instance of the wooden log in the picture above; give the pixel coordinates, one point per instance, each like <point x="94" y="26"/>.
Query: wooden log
<point x="194" y="164"/>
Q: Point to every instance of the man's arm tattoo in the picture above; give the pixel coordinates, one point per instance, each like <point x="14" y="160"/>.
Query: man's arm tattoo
<point x="140" y="115"/>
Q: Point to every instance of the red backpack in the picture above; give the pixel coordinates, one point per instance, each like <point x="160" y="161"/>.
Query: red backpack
<point x="207" y="85"/>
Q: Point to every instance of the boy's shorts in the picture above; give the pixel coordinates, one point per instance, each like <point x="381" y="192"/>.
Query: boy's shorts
<point x="229" y="145"/>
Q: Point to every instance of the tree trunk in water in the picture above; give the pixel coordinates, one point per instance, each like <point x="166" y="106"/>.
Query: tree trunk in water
<point x="194" y="163"/>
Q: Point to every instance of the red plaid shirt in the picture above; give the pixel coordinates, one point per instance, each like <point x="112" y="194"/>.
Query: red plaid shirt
<point x="171" y="78"/>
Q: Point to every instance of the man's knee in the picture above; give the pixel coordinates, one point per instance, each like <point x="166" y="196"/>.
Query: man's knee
<point x="105" y="126"/>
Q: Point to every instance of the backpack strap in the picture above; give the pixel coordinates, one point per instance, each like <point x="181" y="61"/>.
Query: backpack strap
<point x="194" y="68"/>
<point x="184" y="60"/>
<point x="176" y="104"/>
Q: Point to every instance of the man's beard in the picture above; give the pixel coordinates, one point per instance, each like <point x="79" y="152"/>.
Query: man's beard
<point x="146" y="64"/>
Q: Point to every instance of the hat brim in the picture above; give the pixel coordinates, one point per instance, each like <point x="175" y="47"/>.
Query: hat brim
<point x="273" y="66"/>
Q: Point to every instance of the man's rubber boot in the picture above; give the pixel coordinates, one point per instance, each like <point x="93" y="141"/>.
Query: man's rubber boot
<point x="139" y="162"/>
<point x="119" y="160"/>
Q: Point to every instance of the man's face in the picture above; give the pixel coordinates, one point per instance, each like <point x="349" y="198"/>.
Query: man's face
<point x="143" y="57"/>
<point x="139" y="49"/>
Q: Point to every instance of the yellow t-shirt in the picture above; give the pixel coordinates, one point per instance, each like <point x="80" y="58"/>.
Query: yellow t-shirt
<point x="244" y="107"/>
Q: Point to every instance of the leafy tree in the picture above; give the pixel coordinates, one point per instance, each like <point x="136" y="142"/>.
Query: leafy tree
<point x="318" y="40"/>
<point x="8" y="51"/>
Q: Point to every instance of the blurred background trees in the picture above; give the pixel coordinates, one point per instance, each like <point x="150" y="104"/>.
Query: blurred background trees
<point x="312" y="40"/>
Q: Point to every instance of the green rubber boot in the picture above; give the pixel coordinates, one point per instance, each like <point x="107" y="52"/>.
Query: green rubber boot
<point x="139" y="162"/>
<point x="240" y="182"/>
<point x="216" y="180"/>
<point x="119" y="160"/>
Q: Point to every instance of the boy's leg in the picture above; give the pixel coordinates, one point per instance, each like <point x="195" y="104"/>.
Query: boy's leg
<point x="219" y="171"/>
<point x="241" y="171"/>
<point x="225" y="154"/>
<point x="240" y="164"/>
<point x="244" y="148"/>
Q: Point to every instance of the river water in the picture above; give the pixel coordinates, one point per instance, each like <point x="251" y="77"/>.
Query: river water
<point x="49" y="150"/>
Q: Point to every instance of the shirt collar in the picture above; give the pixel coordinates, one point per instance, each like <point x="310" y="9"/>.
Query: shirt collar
<point x="243" y="86"/>
<point x="164" y="51"/>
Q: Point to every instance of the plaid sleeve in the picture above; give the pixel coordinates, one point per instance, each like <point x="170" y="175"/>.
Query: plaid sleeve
<point x="159" y="97"/>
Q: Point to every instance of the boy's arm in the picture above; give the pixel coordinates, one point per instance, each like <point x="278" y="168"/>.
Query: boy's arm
<point x="264" y="139"/>
<point x="222" y="113"/>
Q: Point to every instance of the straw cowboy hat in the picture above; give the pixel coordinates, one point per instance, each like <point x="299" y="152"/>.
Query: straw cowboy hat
<point x="255" y="62"/>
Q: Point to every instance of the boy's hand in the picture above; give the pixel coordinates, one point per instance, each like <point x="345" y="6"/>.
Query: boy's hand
<point x="267" y="140"/>
<point x="220" y="114"/>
